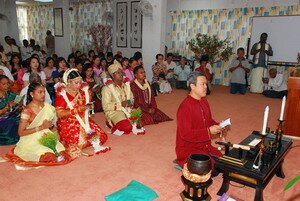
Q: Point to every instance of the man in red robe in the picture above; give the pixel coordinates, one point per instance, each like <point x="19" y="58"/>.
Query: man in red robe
<point x="195" y="124"/>
<point x="144" y="99"/>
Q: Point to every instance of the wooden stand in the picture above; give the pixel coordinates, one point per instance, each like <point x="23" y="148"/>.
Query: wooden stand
<point x="292" y="118"/>
<point x="195" y="191"/>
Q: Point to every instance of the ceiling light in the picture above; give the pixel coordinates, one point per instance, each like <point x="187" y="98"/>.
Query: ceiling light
<point x="45" y="1"/>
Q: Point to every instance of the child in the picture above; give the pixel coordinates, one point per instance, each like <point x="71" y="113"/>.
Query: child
<point x="164" y="85"/>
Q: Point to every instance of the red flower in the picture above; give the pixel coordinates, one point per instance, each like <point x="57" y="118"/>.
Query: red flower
<point x="132" y="118"/>
<point x="126" y="80"/>
<point x="108" y="81"/>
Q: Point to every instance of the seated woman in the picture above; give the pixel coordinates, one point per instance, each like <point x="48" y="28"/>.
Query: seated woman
<point x="34" y="66"/>
<point x="72" y="104"/>
<point x="37" y="119"/>
<point x="9" y="117"/>
<point x="95" y="85"/>
<point x="17" y="71"/>
<point x="144" y="98"/>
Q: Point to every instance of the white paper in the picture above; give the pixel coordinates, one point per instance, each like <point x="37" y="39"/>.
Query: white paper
<point x="254" y="142"/>
<point x="118" y="132"/>
<point x="225" y="123"/>
<point x="96" y="85"/>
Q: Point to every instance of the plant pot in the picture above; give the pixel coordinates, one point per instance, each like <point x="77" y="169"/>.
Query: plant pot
<point x="199" y="164"/>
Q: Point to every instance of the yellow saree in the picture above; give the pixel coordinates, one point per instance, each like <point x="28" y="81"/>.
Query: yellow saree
<point x="28" y="148"/>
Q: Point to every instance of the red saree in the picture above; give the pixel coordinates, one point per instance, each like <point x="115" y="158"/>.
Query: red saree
<point x="69" y="128"/>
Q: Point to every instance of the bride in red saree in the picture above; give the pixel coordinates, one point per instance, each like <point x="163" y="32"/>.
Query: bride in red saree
<point x="73" y="105"/>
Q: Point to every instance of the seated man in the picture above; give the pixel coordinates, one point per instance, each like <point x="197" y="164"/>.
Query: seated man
<point x="239" y="66"/>
<point x="117" y="100"/>
<point x="159" y="70"/>
<point x="207" y="69"/>
<point x="182" y="71"/>
<point x="144" y="98"/>
<point x="276" y="85"/>
<point x="195" y="125"/>
<point x="170" y="64"/>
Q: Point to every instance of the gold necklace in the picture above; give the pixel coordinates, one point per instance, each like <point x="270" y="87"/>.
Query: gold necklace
<point x="38" y="106"/>
<point x="71" y="91"/>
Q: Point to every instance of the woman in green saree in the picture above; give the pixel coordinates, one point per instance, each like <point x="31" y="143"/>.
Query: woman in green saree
<point x="9" y="114"/>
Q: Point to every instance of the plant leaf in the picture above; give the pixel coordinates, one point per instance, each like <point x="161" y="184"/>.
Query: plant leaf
<point x="291" y="183"/>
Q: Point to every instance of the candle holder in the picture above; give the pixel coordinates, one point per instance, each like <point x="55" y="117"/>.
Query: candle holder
<point x="280" y="125"/>
<point x="259" y="159"/>
<point x="278" y="136"/>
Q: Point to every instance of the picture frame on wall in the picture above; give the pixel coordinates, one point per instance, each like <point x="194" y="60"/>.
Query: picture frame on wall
<point x="121" y="17"/>
<point x="58" y="22"/>
<point x="136" y="19"/>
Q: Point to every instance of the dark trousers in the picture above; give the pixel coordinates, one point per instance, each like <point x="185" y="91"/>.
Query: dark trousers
<point x="51" y="91"/>
<point x="181" y="85"/>
<point x="235" y="88"/>
<point x="275" y="94"/>
<point x="172" y="82"/>
<point x="155" y="88"/>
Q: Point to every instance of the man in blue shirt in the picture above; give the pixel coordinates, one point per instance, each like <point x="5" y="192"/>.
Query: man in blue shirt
<point x="182" y="71"/>
<point x="239" y="66"/>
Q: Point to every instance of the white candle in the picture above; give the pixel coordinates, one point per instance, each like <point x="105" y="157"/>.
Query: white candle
<point x="282" y="108"/>
<point x="263" y="132"/>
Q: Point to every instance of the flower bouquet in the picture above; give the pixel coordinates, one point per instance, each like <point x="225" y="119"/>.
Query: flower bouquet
<point x="50" y="140"/>
<point x="135" y="117"/>
<point x="135" y="120"/>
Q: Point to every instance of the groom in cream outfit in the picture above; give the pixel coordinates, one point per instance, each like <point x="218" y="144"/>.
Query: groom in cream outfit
<point x="261" y="52"/>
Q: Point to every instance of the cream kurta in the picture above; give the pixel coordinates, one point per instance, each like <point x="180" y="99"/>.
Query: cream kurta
<point x="111" y="106"/>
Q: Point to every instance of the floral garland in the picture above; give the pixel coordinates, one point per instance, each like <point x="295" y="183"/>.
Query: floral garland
<point x="86" y="126"/>
<point x="109" y="83"/>
<point x="144" y="87"/>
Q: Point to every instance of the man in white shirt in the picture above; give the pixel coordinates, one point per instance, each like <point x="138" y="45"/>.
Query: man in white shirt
<point x="26" y="50"/>
<point x="170" y="64"/>
<point x="276" y="85"/>
<point x="9" y="48"/>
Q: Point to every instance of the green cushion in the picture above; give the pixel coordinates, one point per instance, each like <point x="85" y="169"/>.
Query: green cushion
<point x="134" y="191"/>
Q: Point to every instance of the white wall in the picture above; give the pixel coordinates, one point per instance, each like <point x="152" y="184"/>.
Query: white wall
<point x="127" y="52"/>
<point x="9" y="27"/>
<point x="173" y="5"/>
<point x="62" y="44"/>
<point x="154" y="35"/>
<point x="219" y="4"/>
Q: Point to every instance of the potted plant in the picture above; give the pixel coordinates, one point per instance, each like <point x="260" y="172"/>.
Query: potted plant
<point x="211" y="46"/>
